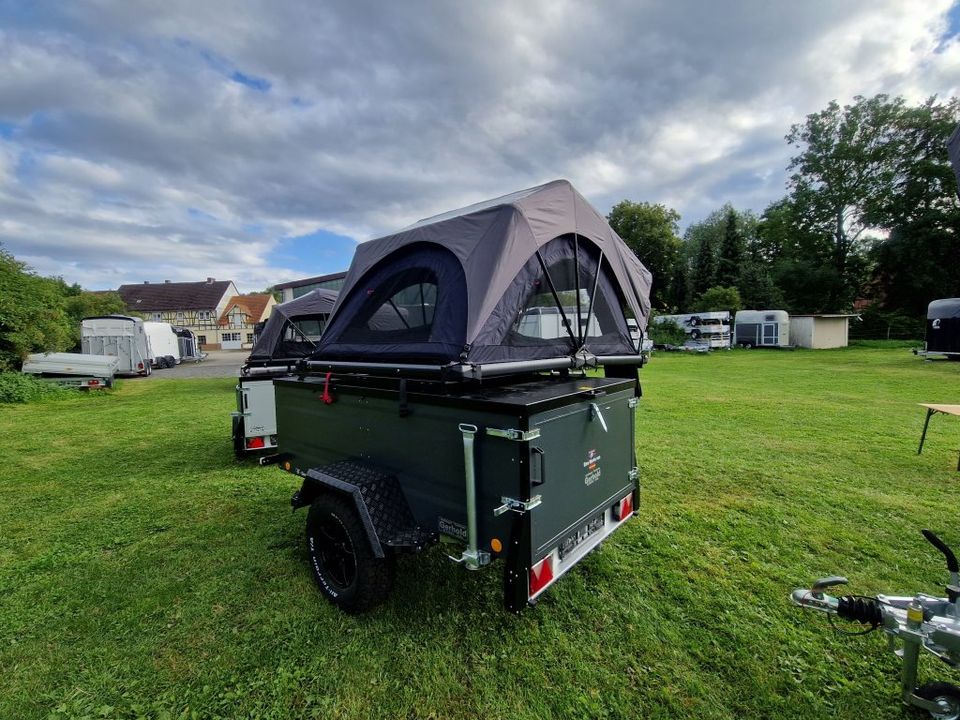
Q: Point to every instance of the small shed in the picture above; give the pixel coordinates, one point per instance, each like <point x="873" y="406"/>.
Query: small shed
<point x="830" y="330"/>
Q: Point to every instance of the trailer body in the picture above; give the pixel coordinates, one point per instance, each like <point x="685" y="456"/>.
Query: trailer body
<point x="558" y="451"/>
<point x="762" y="328"/>
<point x="117" y="336"/>
<point x="943" y="329"/>
<point x="163" y="343"/>
<point x="705" y="329"/>
<point x="187" y="345"/>
<point x="73" y="369"/>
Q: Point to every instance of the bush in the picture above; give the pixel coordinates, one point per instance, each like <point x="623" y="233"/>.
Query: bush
<point x="19" y="388"/>
<point x="666" y="332"/>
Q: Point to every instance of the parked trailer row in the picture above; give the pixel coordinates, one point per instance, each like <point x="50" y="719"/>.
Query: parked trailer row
<point x="139" y="346"/>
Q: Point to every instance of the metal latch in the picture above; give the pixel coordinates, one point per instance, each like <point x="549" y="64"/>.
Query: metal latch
<point x="633" y="402"/>
<point x="520" y="506"/>
<point x="518" y="435"/>
<point x="633" y="474"/>
<point x="595" y="413"/>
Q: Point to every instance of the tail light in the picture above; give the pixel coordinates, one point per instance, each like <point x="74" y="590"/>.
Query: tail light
<point x="623" y="509"/>
<point x="139" y="366"/>
<point x="255" y="443"/>
<point x="541" y="575"/>
<point x="93" y="383"/>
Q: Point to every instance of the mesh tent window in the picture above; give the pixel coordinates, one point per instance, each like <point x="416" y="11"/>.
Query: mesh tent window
<point x="411" y="306"/>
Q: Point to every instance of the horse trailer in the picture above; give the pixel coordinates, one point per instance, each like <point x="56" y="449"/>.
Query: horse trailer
<point x="118" y="336"/>
<point x="762" y="328"/>
<point x="943" y="329"/>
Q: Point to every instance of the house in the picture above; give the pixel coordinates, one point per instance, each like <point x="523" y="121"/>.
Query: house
<point x="298" y="288"/>
<point x="197" y="306"/>
<point x="820" y="331"/>
<point x="241" y="313"/>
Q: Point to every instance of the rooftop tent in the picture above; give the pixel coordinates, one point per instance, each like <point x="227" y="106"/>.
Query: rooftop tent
<point x="534" y="275"/>
<point x="293" y="327"/>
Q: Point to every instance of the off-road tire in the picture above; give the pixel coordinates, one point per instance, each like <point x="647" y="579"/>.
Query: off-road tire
<point x="344" y="566"/>
<point x="942" y="691"/>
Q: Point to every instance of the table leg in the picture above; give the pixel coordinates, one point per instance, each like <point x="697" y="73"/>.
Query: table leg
<point x="924" y="435"/>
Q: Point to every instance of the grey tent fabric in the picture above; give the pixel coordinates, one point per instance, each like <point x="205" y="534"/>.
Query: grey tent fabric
<point x="494" y="243"/>
<point x="271" y="345"/>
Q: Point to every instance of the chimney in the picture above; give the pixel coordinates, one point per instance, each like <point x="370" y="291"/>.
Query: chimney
<point x="166" y="282"/>
<point x="146" y="282"/>
<point x="210" y="280"/>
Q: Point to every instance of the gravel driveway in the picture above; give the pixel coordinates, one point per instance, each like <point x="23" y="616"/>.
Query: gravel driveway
<point x="218" y="363"/>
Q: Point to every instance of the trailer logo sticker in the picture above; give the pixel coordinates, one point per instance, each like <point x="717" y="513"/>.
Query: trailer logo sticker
<point x="451" y="528"/>
<point x="592" y="466"/>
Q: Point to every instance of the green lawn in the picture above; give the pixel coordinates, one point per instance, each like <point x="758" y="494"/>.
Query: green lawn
<point x="145" y="573"/>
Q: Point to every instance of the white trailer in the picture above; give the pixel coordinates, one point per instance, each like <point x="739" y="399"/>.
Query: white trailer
<point x="762" y="328"/>
<point x="704" y="329"/>
<point x="73" y="369"/>
<point x="547" y="323"/>
<point x="117" y="336"/>
<point x="163" y="344"/>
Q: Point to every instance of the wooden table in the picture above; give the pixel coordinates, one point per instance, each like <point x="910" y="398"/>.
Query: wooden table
<point x="932" y="409"/>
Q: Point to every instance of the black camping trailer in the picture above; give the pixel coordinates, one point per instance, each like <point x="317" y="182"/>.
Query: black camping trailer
<point x="289" y="335"/>
<point x="943" y="329"/>
<point x="434" y="410"/>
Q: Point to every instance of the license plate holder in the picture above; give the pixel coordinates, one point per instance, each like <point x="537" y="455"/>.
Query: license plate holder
<point x="585" y="530"/>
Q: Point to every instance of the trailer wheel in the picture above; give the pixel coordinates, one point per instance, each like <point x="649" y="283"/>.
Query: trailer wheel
<point x="344" y="566"/>
<point x="946" y="693"/>
<point x="695" y="334"/>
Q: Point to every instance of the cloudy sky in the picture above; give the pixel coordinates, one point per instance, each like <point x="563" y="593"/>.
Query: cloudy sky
<point x="259" y="141"/>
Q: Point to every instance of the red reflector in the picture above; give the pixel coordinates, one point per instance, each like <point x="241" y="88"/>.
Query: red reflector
<point x="93" y="382"/>
<point x="255" y="443"/>
<point x="626" y="507"/>
<point x="139" y="366"/>
<point x="541" y="574"/>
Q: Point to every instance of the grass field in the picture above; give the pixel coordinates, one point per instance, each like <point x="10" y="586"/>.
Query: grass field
<point x="145" y="573"/>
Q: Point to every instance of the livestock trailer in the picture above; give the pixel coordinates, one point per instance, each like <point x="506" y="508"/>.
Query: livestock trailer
<point x="711" y="329"/>
<point x="90" y="372"/>
<point x="761" y="328"/>
<point x="943" y="329"/>
<point x="163" y="343"/>
<point x="433" y="411"/>
<point x="288" y="336"/>
<point x="118" y="336"/>
<point x="187" y="345"/>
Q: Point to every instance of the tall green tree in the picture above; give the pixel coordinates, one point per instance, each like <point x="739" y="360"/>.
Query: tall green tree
<point x="651" y="231"/>
<point x="841" y="174"/>
<point x="33" y="317"/>
<point x="730" y="260"/>
<point x="918" y="260"/>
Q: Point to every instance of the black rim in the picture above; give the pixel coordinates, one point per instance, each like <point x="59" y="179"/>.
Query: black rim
<point x="335" y="551"/>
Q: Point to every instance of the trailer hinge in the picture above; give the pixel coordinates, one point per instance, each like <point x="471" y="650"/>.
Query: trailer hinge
<point x="633" y="402"/>
<point x="518" y="435"/>
<point x="520" y="506"/>
<point x="633" y="474"/>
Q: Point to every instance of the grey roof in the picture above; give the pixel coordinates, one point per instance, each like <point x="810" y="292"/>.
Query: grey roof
<point x="944" y="308"/>
<point x="172" y="296"/>
<point x="311" y="280"/>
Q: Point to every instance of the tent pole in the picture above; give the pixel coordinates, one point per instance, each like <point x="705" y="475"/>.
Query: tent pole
<point x="556" y="298"/>
<point x="581" y="333"/>
<point x="593" y="293"/>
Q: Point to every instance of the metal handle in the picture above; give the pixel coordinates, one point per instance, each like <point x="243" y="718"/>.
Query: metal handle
<point x="541" y="476"/>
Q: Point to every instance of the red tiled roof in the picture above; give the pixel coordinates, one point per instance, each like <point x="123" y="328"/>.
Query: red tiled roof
<point x="251" y="305"/>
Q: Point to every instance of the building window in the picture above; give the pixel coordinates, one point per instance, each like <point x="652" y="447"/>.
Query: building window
<point x="201" y="339"/>
<point x="157" y="317"/>
<point x="231" y="337"/>
<point x="179" y="318"/>
<point x="203" y="315"/>
<point x="249" y="337"/>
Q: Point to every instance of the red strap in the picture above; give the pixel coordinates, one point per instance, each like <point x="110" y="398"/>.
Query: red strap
<point x="327" y="398"/>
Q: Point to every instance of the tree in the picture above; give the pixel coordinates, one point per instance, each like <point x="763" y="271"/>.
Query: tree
<point x="918" y="260"/>
<point x="730" y="262"/>
<point x="650" y="231"/>
<point x="719" y="298"/>
<point x="80" y="303"/>
<point x="702" y="245"/>
<point x="840" y="177"/>
<point x="32" y="313"/>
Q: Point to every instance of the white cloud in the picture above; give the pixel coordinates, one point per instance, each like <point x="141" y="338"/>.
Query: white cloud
<point x="180" y="140"/>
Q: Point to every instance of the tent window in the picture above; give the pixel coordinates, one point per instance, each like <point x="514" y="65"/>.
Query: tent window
<point x="542" y="319"/>
<point x="399" y="309"/>
<point x="304" y="329"/>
